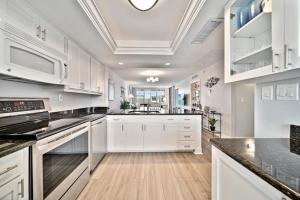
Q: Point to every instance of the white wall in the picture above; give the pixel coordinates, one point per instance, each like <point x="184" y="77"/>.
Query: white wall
<point x="70" y="101"/>
<point x="220" y="97"/>
<point x="119" y="82"/>
<point x="273" y="118"/>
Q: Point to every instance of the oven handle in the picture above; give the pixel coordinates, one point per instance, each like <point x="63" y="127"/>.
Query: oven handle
<point x="52" y="144"/>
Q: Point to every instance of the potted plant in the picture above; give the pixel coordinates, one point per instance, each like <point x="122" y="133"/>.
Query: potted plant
<point x="212" y="122"/>
<point x="125" y="104"/>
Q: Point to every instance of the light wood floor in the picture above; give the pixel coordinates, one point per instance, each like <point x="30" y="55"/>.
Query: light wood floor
<point x="150" y="176"/>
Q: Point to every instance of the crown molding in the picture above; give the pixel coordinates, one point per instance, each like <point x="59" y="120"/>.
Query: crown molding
<point x="134" y="47"/>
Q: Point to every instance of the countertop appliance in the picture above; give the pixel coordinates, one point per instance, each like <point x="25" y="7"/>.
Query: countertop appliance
<point x="60" y="156"/>
<point x="98" y="141"/>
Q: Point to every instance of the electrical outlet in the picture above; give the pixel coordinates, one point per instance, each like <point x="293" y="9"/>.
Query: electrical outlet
<point x="287" y="92"/>
<point x="60" y="98"/>
<point x="267" y="92"/>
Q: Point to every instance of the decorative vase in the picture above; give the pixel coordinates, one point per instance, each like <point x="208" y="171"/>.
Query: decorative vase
<point x="212" y="128"/>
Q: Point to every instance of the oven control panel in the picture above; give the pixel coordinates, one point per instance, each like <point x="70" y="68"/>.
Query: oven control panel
<point x="21" y="105"/>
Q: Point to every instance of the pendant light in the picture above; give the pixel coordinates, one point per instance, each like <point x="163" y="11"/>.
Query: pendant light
<point x="143" y="5"/>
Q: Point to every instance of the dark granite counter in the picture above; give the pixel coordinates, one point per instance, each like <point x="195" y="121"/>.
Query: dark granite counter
<point x="277" y="161"/>
<point x="10" y="146"/>
<point x="155" y="113"/>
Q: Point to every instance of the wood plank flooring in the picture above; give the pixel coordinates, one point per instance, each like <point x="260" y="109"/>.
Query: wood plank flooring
<point x="150" y="176"/>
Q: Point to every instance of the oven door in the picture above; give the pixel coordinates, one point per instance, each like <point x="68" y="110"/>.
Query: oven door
<point x="60" y="161"/>
<point x="24" y="60"/>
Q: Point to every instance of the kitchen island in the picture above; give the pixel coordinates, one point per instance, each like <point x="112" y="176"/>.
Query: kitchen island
<point x="255" y="169"/>
<point x="154" y="132"/>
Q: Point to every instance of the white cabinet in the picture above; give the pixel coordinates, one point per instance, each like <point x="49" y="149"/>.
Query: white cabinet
<point x="153" y="135"/>
<point x="97" y="76"/>
<point x="292" y="34"/>
<point x="115" y="134"/>
<point x="79" y="68"/>
<point x="84" y="70"/>
<point x="265" y="45"/>
<point x="14" y="176"/>
<point x="232" y="181"/>
<point x="127" y="133"/>
<point x="23" y="17"/>
<point x="133" y="133"/>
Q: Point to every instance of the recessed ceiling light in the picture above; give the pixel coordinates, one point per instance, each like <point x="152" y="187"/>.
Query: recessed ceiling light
<point x="167" y="63"/>
<point x="120" y="63"/>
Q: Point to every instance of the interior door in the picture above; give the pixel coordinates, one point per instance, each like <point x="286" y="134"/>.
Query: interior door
<point x="292" y="34"/>
<point x="153" y="135"/>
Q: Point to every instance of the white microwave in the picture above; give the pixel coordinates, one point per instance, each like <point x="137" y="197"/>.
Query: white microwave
<point x="22" y="59"/>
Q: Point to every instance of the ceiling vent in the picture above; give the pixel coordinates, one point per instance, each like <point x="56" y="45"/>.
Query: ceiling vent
<point x="207" y="29"/>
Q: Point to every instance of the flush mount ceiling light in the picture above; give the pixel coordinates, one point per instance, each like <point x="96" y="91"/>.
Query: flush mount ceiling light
<point x="152" y="79"/>
<point x="143" y="5"/>
<point x="120" y="63"/>
<point x="167" y="63"/>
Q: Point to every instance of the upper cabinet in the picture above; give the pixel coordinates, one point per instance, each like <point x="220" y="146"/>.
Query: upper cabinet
<point x="21" y="16"/>
<point x="85" y="74"/>
<point x="261" y="38"/>
<point x="97" y="76"/>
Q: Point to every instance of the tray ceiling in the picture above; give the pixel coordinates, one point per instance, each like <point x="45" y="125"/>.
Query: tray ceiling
<point x="129" y="31"/>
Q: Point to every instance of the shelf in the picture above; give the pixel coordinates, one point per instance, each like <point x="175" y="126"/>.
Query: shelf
<point x="260" y="24"/>
<point x="253" y="57"/>
<point x="255" y="73"/>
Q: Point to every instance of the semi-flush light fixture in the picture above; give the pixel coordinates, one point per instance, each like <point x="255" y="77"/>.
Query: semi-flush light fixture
<point x="143" y="5"/>
<point x="152" y="79"/>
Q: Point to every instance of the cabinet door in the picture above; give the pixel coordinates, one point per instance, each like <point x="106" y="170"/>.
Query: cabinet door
<point x="21" y="16"/>
<point x="170" y="136"/>
<point x="292" y="34"/>
<point x="278" y="34"/>
<point x="96" y="74"/>
<point x="116" y="137"/>
<point x="10" y="191"/>
<point x="53" y="38"/>
<point x="73" y="79"/>
<point x="153" y="135"/>
<point x="84" y="68"/>
<point x="134" y="136"/>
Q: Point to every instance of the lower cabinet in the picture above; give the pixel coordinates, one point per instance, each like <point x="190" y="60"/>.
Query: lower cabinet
<point x="14" y="176"/>
<point x="232" y="181"/>
<point x="127" y="133"/>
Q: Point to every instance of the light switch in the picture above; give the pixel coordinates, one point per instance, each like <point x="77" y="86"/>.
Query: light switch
<point x="267" y="92"/>
<point x="288" y="92"/>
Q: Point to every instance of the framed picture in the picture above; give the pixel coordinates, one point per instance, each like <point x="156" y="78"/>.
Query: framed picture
<point x="111" y="90"/>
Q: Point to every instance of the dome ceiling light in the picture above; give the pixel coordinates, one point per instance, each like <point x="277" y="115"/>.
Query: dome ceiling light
<point x="143" y="5"/>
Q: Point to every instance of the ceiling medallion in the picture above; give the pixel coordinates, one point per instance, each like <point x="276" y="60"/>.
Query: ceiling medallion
<point x="143" y="5"/>
<point x="152" y="79"/>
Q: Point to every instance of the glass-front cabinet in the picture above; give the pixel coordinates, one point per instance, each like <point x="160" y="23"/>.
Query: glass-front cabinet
<point x="256" y="38"/>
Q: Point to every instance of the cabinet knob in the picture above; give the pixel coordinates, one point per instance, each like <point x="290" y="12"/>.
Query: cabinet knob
<point x="9" y="70"/>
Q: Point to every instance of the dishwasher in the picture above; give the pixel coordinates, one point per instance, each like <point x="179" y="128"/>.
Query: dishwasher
<point x="98" y="142"/>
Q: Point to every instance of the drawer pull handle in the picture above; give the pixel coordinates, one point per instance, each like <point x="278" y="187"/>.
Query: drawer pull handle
<point x="187" y="119"/>
<point x="22" y="188"/>
<point x="187" y="127"/>
<point x="8" y="169"/>
<point x="187" y="136"/>
<point x="187" y="146"/>
<point x="170" y="119"/>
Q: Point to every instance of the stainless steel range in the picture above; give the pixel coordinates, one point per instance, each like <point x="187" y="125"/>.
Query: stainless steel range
<point x="60" y="157"/>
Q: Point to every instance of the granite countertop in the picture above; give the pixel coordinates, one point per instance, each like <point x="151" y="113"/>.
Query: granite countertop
<point x="277" y="161"/>
<point x="137" y="112"/>
<point x="10" y="146"/>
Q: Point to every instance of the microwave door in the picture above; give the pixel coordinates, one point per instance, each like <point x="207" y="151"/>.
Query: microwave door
<point x="29" y="62"/>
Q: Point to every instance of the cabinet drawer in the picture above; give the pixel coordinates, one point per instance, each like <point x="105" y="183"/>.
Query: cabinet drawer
<point x="170" y="119"/>
<point x="11" y="166"/>
<point x="187" y="127"/>
<point x="186" y="136"/>
<point x="190" y="119"/>
<point x="186" y="145"/>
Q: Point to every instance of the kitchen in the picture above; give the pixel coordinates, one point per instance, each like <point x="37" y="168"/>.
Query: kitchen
<point x="101" y="100"/>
